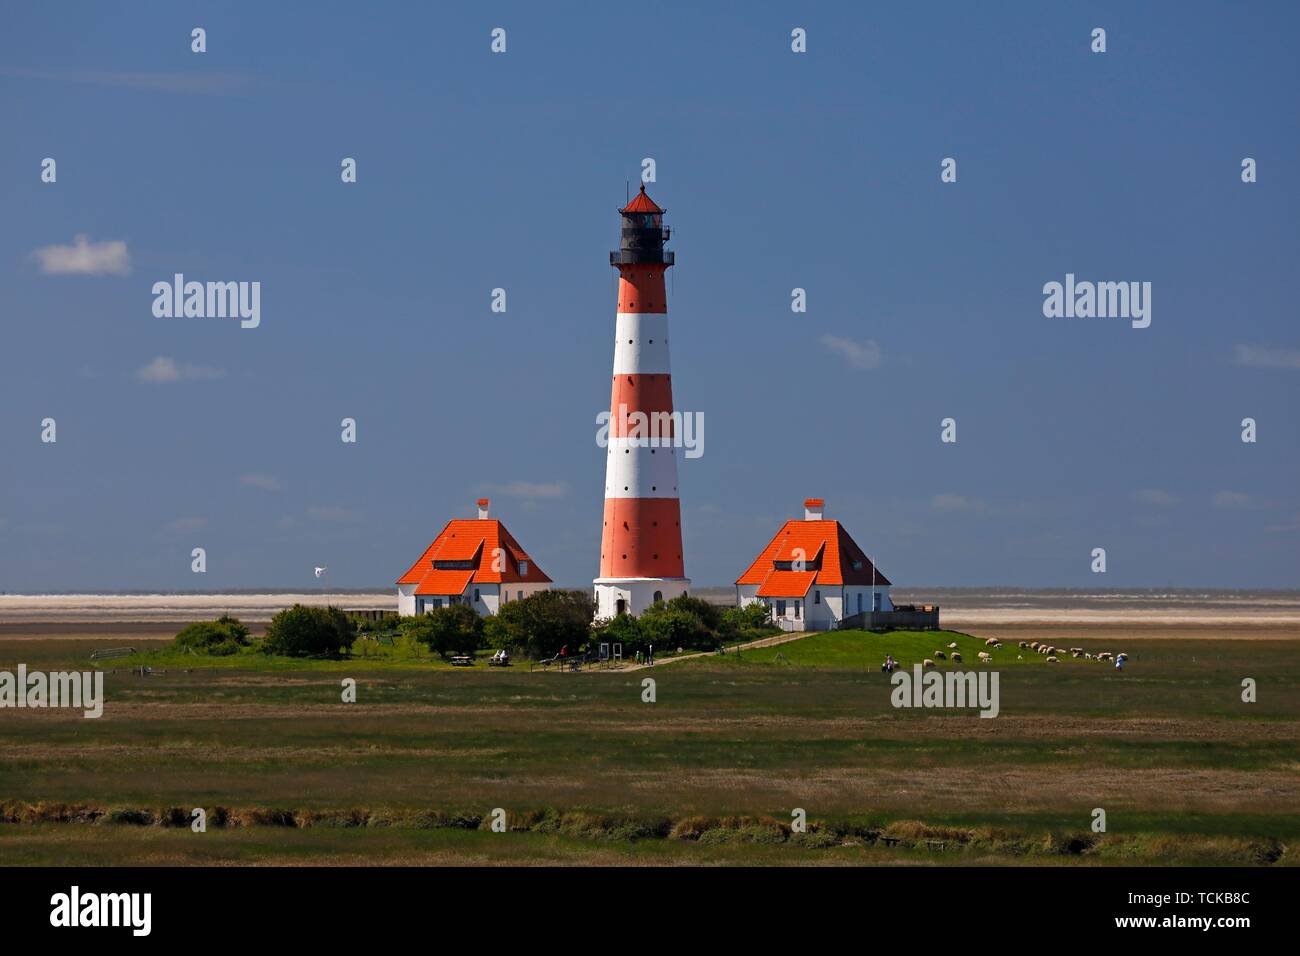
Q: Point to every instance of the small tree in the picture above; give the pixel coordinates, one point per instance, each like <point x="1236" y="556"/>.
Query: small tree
<point x="752" y="620"/>
<point x="301" y="631"/>
<point x="622" y="629"/>
<point x="672" y="625"/>
<point x="544" y="622"/>
<point x="447" y="631"/>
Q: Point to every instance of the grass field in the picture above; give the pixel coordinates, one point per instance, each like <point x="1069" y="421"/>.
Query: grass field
<point x="709" y="773"/>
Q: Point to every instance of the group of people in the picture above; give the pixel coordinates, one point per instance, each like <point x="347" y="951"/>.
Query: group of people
<point x="501" y="657"/>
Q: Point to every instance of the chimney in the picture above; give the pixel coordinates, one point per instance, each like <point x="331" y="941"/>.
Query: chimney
<point x="482" y="509"/>
<point x="812" y="509"/>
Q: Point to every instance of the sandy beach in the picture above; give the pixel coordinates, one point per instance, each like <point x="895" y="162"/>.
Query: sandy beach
<point x="1208" y="614"/>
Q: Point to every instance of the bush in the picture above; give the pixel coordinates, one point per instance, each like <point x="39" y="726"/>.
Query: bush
<point x="544" y="622"/>
<point x="750" y="619"/>
<point x="225" y="635"/>
<point x="677" y="624"/>
<point x="623" y="629"/>
<point x="309" y="632"/>
<point x="447" y="631"/>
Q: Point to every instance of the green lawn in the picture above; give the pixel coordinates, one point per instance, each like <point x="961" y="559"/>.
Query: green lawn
<point x="1185" y="770"/>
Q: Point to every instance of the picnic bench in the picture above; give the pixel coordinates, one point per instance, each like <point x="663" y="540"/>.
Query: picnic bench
<point x="108" y="653"/>
<point x="462" y="660"/>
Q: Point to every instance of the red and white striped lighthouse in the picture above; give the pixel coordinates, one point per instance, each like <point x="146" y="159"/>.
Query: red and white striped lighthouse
<point x="641" y="541"/>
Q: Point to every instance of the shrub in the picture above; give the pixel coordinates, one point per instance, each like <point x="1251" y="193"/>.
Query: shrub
<point x="309" y="632"/>
<point x="672" y="625"/>
<point x="447" y="631"/>
<point x="623" y="629"/>
<point x="225" y="635"/>
<point x="752" y="619"/>
<point x="544" y="622"/>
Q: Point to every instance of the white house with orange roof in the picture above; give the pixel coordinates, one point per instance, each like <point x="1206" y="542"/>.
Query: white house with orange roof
<point x="813" y="575"/>
<point x="472" y="561"/>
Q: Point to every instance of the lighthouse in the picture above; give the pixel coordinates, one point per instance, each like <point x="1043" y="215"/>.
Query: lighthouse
<point x="641" y="539"/>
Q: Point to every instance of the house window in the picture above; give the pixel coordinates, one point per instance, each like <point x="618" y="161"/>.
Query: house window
<point x="437" y="602"/>
<point x="523" y="567"/>
<point x="519" y="595"/>
<point x="875" y="600"/>
<point x="419" y="605"/>
<point x="798" y="608"/>
<point x="859" y="602"/>
<point x="817" y="597"/>
<point x="659" y="596"/>
<point x="780" y="609"/>
<point x="476" y="595"/>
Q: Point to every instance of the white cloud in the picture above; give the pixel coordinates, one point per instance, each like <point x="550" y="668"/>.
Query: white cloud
<point x="265" y="482"/>
<point x="85" y="258"/>
<point x="858" y="354"/>
<point x="530" y="489"/>
<point x="164" y="370"/>
<point x="1263" y="356"/>
<point x="956" y="503"/>
<point x="1231" y="499"/>
<point x="1155" y="496"/>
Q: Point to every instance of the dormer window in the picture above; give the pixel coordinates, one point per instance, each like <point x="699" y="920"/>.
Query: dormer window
<point x="454" y="565"/>
<point x="523" y="566"/>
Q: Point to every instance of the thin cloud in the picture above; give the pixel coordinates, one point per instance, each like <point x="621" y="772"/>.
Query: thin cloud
<point x="85" y="258"/>
<point x="164" y="371"/>
<point x="338" y="515"/>
<point x="858" y="354"/>
<point x="1264" y="356"/>
<point x="265" y="482"/>
<point x="956" y="503"/>
<point x="1231" y="499"/>
<point x="1155" y="496"/>
<point x="184" y="525"/>
<point x="530" y="489"/>
<point x="211" y="84"/>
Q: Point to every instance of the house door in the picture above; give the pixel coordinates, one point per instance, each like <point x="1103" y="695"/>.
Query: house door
<point x="620" y="606"/>
<point x="859" y="602"/>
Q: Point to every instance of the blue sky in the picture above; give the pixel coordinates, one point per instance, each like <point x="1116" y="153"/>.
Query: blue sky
<point x="779" y="170"/>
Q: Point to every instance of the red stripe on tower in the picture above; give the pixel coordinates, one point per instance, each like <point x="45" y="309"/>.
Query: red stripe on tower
<point x="641" y="541"/>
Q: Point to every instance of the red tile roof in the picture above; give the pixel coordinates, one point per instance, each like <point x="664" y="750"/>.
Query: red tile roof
<point x="641" y="203"/>
<point x="841" y="560"/>
<point x="787" y="584"/>
<point x="444" y="582"/>
<point x="476" y="540"/>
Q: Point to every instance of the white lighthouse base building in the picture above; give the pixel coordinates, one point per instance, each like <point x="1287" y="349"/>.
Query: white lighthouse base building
<point x="615" y="596"/>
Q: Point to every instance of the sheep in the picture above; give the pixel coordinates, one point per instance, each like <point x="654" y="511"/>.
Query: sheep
<point x="1033" y="645"/>
<point x="1024" y="644"/>
<point x="952" y="646"/>
<point x="956" y="657"/>
<point x="990" y="642"/>
<point x="941" y="655"/>
<point x="926" y="663"/>
<point x="984" y="656"/>
<point x="1075" y="652"/>
<point x="1051" y="659"/>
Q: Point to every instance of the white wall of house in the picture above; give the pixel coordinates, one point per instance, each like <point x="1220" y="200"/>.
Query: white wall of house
<point x="484" y="598"/>
<point x="836" y="602"/>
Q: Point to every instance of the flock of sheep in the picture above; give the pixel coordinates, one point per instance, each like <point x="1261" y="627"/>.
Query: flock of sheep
<point x="1037" y="647"/>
